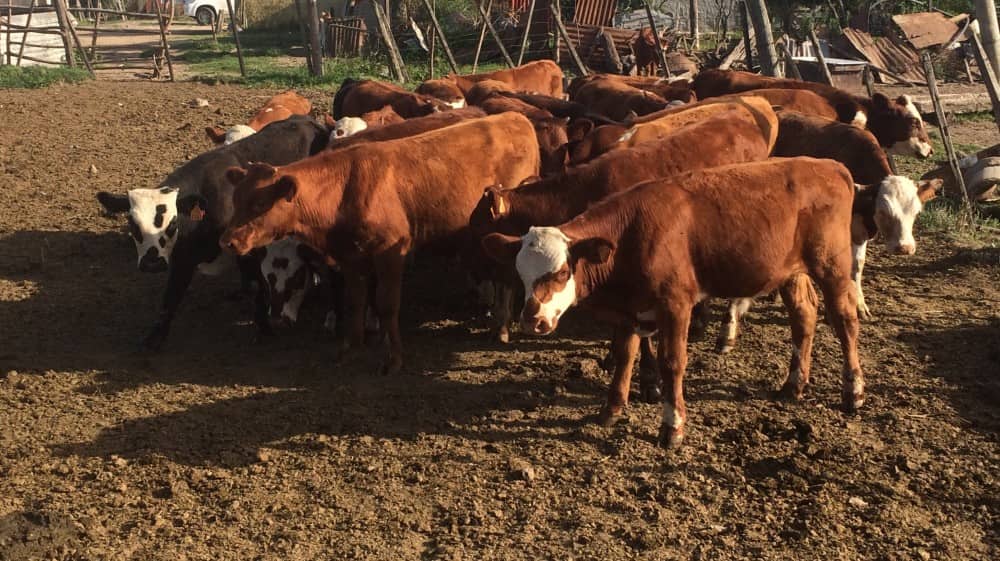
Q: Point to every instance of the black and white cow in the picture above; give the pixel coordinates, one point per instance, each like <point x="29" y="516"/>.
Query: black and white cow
<point x="176" y="225"/>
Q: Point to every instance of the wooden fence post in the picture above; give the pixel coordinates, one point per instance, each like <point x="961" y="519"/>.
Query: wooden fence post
<point x="790" y="65"/>
<point x="989" y="78"/>
<point x="395" y="59"/>
<point x="163" y="39"/>
<point x="63" y="19"/>
<point x="496" y="36"/>
<point x="747" y="34"/>
<point x="609" y="47"/>
<point x="315" y="51"/>
<point x="656" y="39"/>
<point x="580" y="67"/>
<point x="527" y="31"/>
<point x="925" y="58"/>
<point x="482" y="37"/>
<point x="820" y="58"/>
<point x="440" y="34"/>
<point x="24" y="36"/>
<point x="236" y="37"/>
<point x="305" y="34"/>
<point x="693" y="18"/>
<point x="765" y="40"/>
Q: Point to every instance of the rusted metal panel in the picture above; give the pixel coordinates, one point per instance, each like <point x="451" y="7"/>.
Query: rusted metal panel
<point x="883" y="53"/>
<point x="926" y="29"/>
<point x="594" y="12"/>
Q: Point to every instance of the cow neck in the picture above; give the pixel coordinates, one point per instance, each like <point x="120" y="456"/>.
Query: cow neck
<point x="555" y="200"/>
<point x="864" y="206"/>
<point x="320" y="193"/>
<point x="608" y="221"/>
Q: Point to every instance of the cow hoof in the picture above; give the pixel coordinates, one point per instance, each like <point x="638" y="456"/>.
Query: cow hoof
<point x="851" y="402"/>
<point x="864" y="312"/>
<point x="724" y="346"/>
<point x="791" y="392"/>
<point x="649" y="390"/>
<point x="608" y="362"/>
<point x="610" y="416"/>
<point x="697" y="330"/>
<point x="502" y="336"/>
<point x="670" y="437"/>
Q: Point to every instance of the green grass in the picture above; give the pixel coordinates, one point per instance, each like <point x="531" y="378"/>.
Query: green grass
<point x="33" y="77"/>
<point x="946" y="216"/>
<point x="973" y="117"/>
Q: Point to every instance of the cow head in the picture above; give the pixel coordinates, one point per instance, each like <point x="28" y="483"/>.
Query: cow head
<point x="152" y="221"/>
<point x="547" y="261"/>
<point x="286" y="266"/>
<point x="552" y="140"/>
<point x="443" y="89"/>
<point x="897" y="203"/>
<point x="898" y="127"/>
<point x="262" y="206"/>
<point x="347" y="126"/>
<point x="235" y="133"/>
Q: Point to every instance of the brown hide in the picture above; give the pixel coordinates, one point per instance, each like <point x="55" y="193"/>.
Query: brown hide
<point x="409" y="127"/>
<point x="370" y="95"/>
<point x="857" y="149"/>
<point x="278" y="108"/>
<point x="481" y="91"/>
<point x="384" y="116"/>
<point x="755" y="110"/>
<point x="616" y="100"/>
<point x="541" y="76"/>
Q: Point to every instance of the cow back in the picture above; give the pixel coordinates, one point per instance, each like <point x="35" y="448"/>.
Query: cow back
<point x="807" y="135"/>
<point x="409" y="127"/>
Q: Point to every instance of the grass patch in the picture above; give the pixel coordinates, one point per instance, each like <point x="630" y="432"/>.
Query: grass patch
<point x="973" y="117"/>
<point x="34" y="77"/>
<point x="945" y="216"/>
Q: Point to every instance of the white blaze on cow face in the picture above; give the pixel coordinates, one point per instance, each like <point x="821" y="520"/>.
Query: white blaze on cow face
<point x="860" y="120"/>
<point x="896" y="208"/>
<point x="549" y="287"/>
<point x="457" y="104"/>
<point x="913" y="146"/>
<point x="152" y="224"/>
<point x="237" y="133"/>
<point x="347" y="126"/>
<point x="288" y="276"/>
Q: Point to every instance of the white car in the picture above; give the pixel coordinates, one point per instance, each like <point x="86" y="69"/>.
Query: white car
<point x="205" y="11"/>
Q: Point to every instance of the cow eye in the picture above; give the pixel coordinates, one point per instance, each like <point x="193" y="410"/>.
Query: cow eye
<point x="134" y="230"/>
<point x="563" y="276"/>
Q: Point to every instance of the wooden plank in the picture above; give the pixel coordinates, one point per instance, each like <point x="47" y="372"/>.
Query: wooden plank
<point x="163" y="39"/>
<point x="572" y="50"/>
<point x="956" y="170"/>
<point x="482" y="37"/>
<point x="926" y="29"/>
<point x="496" y="36"/>
<point x="656" y="40"/>
<point x="989" y="78"/>
<point x="236" y="37"/>
<point x="63" y="24"/>
<point x="527" y="30"/>
<point x="611" y="52"/>
<point x="820" y="58"/>
<point x="396" y="60"/>
<point x="315" y="51"/>
<point x="444" y="41"/>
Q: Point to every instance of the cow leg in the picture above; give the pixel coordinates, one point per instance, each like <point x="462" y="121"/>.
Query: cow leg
<point x="730" y="329"/>
<point x="356" y="287"/>
<point x="261" y="307"/>
<point x="800" y="301"/>
<point x="624" y="344"/>
<point x="503" y="302"/>
<point x="673" y="324"/>
<point x="388" y="284"/>
<point x="842" y="313"/>
<point x="182" y="266"/>
<point x="700" y="318"/>
<point x="649" y="376"/>
<point x="859" y="252"/>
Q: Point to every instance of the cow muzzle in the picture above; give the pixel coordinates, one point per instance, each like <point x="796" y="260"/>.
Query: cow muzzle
<point x="537" y="325"/>
<point x="153" y="262"/>
<point x="905" y="249"/>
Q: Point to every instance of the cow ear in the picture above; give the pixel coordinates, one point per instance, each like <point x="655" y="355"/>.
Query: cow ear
<point x="927" y="189"/>
<point x="235" y="175"/>
<point x="903" y="100"/>
<point x="502" y="248"/>
<point x="113" y="203"/>
<point x="286" y="188"/>
<point x="261" y="170"/>
<point x="579" y="128"/>
<point x="192" y="206"/>
<point x="494" y="196"/>
<point x="215" y="134"/>
<point x="592" y="250"/>
<point x="329" y="121"/>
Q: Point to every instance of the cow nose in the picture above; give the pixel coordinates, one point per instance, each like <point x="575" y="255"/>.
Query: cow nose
<point x="152" y="262"/>
<point x="536" y="325"/>
<point x="906" y="249"/>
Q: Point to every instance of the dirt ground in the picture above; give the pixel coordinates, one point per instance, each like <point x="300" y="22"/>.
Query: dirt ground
<point x="217" y="449"/>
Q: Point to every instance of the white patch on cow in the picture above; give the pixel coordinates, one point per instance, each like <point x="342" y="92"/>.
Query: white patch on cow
<point x="347" y="126"/>
<point x="727" y="338"/>
<point x="457" y="104"/>
<point x="545" y="250"/>
<point x="675" y="103"/>
<point x="222" y="263"/>
<point x="671" y="417"/>
<point x="285" y="249"/>
<point x="144" y="205"/>
<point x="237" y="133"/>
<point x="859" y="253"/>
<point x="860" y="120"/>
<point x="912" y="146"/>
<point x="896" y="208"/>
<point x="912" y="109"/>
<point x="628" y="134"/>
<point x="268" y="109"/>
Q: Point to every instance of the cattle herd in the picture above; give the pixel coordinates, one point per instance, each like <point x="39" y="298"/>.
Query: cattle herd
<point x="636" y="197"/>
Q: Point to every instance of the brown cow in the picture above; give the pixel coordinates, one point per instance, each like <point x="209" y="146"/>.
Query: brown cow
<point x="896" y="124"/>
<point x="443" y="89"/>
<point x="349" y="126"/>
<point x="541" y="76"/>
<point x="715" y="141"/>
<point x="357" y="97"/>
<point x="611" y="137"/>
<point x="367" y="207"/>
<point x="884" y="202"/>
<point x="408" y="127"/>
<point x="645" y="257"/>
<point x="646" y="53"/>
<point x="617" y="100"/>
<point x="278" y="108"/>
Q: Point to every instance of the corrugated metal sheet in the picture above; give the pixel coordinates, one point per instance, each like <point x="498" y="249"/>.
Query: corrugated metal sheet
<point x="926" y="29"/>
<point x="586" y="40"/>
<point x="883" y="53"/>
<point x="594" y="12"/>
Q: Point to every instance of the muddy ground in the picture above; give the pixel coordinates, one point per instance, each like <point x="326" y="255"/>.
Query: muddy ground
<point x="217" y="449"/>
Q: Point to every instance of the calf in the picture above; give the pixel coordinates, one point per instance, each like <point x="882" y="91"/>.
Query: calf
<point x="644" y="45"/>
<point x="278" y="108"/>
<point x="715" y="141"/>
<point x="618" y="101"/>
<point x="645" y="257"/>
<point x="883" y="201"/>
<point x="176" y="225"/>
<point x="409" y="127"/>
<point x="348" y="126"/>
<point x="367" y="207"/>
<point x="541" y="76"/>
<point x="443" y="89"/>
<point x="611" y="137"/>
<point x="357" y="97"/>
<point x="896" y="124"/>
